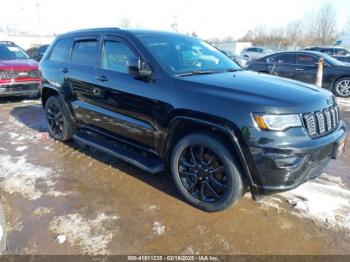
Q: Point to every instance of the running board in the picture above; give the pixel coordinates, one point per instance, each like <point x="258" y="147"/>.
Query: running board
<point x="115" y="148"/>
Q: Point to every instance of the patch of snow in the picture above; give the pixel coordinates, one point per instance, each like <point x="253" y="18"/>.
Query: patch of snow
<point x="89" y="234"/>
<point x="19" y="176"/>
<point x="325" y="200"/>
<point x="21" y="148"/>
<point x="158" y="228"/>
<point x="13" y="135"/>
<point x="40" y="211"/>
<point x="61" y="239"/>
<point x="54" y="193"/>
<point x="151" y="208"/>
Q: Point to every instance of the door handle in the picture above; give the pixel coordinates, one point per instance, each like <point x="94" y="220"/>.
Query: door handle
<point x="64" y="70"/>
<point x="299" y="69"/>
<point x="102" y="78"/>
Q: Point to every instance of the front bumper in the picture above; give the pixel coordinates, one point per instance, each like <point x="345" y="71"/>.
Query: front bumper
<point x="284" y="163"/>
<point x="19" y="89"/>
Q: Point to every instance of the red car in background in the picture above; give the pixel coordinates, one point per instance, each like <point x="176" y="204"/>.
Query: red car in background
<point x="19" y="74"/>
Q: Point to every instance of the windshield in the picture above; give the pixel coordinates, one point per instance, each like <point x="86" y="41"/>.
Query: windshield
<point x="186" y="55"/>
<point x="332" y="60"/>
<point x="12" y="52"/>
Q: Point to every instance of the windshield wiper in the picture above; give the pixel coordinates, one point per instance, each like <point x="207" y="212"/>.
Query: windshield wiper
<point x="197" y="72"/>
<point x="233" y="69"/>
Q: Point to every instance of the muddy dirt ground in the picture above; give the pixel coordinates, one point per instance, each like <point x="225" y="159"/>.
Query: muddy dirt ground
<point x="69" y="199"/>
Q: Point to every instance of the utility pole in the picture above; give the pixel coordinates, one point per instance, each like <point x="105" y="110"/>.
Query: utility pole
<point x="38" y="17"/>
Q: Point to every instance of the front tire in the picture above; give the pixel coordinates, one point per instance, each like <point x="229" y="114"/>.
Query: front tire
<point x="205" y="172"/>
<point x="59" y="123"/>
<point x="342" y="87"/>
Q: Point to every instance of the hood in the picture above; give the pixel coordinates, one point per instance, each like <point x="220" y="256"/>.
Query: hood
<point x="273" y="94"/>
<point x="19" y="65"/>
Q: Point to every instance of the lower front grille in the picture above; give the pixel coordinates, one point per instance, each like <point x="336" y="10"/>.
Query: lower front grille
<point x="322" y="122"/>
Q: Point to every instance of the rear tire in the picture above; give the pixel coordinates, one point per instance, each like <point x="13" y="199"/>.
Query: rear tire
<point x="205" y="172"/>
<point x="60" y="125"/>
<point x="341" y="88"/>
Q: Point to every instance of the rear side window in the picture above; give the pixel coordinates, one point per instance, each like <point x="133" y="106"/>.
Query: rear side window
<point x="307" y="60"/>
<point x="251" y="50"/>
<point x="85" y="53"/>
<point x="115" y="56"/>
<point x="327" y="51"/>
<point x="60" y="52"/>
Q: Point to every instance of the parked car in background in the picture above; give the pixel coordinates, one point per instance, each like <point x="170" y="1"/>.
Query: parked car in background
<point x="302" y="66"/>
<point x="255" y="52"/>
<point x="19" y="74"/>
<point x="163" y="100"/>
<point x="37" y="52"/>
<point x="242" y="61"/>
<point x="340" y="53"/>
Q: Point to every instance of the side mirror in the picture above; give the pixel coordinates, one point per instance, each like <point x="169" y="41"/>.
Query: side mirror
<point x="138" y="69"/>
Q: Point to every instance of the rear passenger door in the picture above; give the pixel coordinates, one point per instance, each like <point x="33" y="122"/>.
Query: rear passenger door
<point x="82" y="69"/>
<point x="122" y="105"/>
<point x="306" y="69"/>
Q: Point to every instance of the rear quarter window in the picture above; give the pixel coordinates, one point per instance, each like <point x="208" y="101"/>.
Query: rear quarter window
<point x="61" y="50"/>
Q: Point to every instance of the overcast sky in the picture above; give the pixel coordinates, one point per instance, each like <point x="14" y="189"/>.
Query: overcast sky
<point x="214" y="18"/>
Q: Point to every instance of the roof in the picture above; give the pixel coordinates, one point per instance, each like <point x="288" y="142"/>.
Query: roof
<point x="136" y="32"/>
<point x="7" y="43"/>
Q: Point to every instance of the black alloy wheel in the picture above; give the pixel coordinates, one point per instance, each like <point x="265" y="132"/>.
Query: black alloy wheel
<point x="206" y="172"/>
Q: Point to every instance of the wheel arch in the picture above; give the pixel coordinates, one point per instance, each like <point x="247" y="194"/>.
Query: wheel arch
<point x="48" y="91"/>
<point x="181" y="126"/>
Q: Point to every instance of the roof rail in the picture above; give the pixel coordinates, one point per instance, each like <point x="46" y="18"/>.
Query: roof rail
<point x="7" y="42"/>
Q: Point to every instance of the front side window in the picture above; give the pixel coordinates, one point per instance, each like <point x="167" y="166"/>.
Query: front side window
<point x="85" y="53"/>
<point x="12" y="52"/>
<point x="115" y="56"/>
<point x="307" y="60"/>
<point x="341" y="52"/>
<point x="181" y="54"/>
<point x="282" y="59"/>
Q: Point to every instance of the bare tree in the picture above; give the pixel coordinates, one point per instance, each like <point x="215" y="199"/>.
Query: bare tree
<point x="125" y="22"/>
<point x="322" y="26"/>
<point x="347" y="26"/>
<point x="175" y="24"/>
<point x="293" y="32"/>
<point x="319" y="27"/>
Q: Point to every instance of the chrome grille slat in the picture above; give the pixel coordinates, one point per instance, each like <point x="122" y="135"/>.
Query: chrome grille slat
<point x="328" y="119"/>
<point x="310" y="122"/>
<point x="322" y="122"/>
<point x="334" y="123"/>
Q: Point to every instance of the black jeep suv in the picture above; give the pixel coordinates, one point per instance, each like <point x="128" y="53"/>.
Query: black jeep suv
<point x="167" y="101"/>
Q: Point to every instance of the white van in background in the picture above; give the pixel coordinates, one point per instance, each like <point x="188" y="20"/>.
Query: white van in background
<point x="344" y="40"/>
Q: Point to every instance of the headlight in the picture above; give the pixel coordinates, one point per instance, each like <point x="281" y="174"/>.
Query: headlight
<point x="277" y="122"/>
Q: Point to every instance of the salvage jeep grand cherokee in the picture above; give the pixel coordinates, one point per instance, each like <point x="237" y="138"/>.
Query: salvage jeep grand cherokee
<point x="162" y="100"/>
